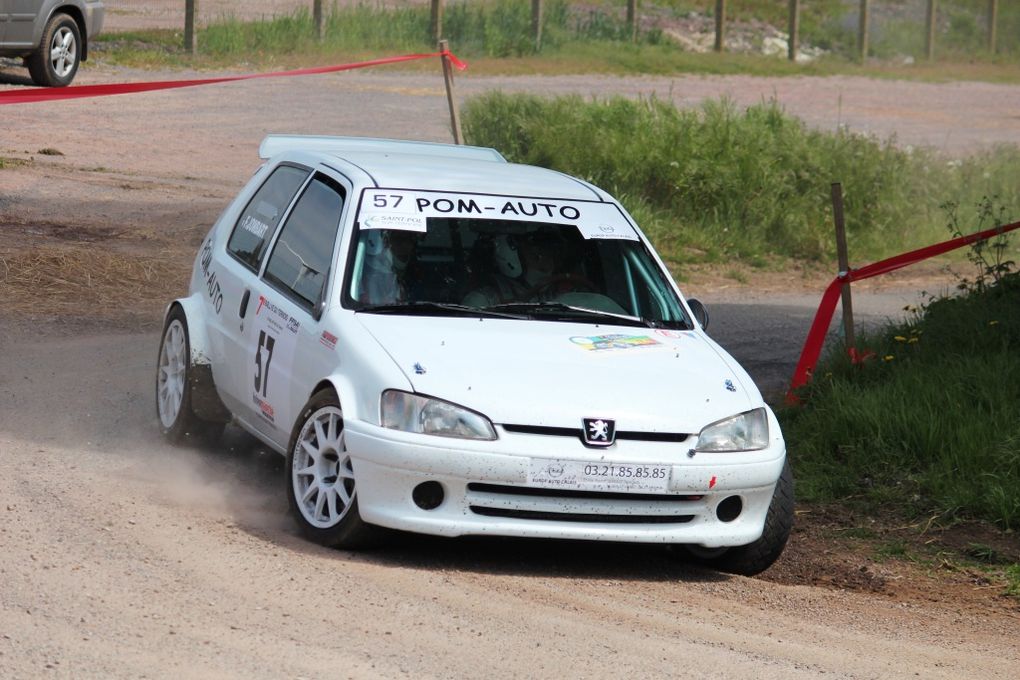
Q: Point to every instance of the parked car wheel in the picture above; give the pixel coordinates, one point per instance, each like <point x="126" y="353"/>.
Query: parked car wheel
<point x="320" y="477"/>
<point x="758" y="556"/>
<point x="56" y="61"/>
<point x="177" y="419"/>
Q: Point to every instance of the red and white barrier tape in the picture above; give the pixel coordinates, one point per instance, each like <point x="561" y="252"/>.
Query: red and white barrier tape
<point x="45" y="94"/>
<point x="820" y="326"/>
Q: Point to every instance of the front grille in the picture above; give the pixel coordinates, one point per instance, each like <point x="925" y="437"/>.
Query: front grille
<point x="575" y="505"/>
<point x="576" y="432"/>
<point x="581" y="517"/>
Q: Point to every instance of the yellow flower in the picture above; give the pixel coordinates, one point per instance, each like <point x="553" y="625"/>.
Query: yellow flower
<point x="911" y="341"/>
<point x="900" y="338"/>
<point x="993" y="323"/>
<point x="888" y="357"/>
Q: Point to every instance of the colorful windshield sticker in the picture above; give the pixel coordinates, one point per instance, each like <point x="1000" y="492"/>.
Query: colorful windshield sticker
<point x="594" y="219"/>
<point x="602" y="343"/>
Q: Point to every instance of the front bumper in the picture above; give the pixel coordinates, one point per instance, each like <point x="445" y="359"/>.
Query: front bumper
<point x="486" y="488"/>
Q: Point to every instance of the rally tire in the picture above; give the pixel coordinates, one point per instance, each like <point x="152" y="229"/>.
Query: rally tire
<point x="756" y="557"/>
<point x="321" y="488"/>
<point x="174" y="377"/>
<point x="55" y="62"/>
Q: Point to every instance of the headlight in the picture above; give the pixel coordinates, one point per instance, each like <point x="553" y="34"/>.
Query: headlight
<point x="424" y="415"/>
<point x="745" y="432"/>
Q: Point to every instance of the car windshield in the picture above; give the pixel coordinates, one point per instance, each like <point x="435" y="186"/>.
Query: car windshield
<point x="510" y="268"/>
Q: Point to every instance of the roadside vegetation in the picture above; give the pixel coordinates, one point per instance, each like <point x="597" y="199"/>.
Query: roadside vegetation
<point x="719" y="183"/>
<point x="927" y="425"/>
<point x="496" y="35"/>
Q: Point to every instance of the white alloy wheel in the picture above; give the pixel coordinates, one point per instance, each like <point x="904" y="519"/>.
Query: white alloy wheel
<point x="172" y="376"/>
<point x="321" y="472"/>
<point x="63" y="52"/>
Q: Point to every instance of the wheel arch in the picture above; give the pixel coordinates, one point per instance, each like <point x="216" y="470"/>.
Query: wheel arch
<point x="205" y="400"/>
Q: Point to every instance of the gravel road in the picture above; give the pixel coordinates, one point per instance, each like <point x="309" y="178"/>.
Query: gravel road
<point x="122" y="557"/>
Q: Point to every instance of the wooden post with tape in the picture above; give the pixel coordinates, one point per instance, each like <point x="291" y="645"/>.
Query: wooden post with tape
<point x="862" y="30"/>
<point x="444" y="47"/>
<point x="844" y="264"/>
<point x="436" y="19"/>
<point x="793" y="45"/>
<point x="317" y="19"/>
<point x="720" y="25"/>
<point x="190" y="9"/>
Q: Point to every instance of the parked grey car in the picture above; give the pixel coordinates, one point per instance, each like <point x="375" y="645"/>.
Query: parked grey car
<point x="52" y="36"/>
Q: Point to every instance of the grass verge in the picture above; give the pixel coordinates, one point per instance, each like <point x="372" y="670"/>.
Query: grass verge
<point x="719" y="183"/>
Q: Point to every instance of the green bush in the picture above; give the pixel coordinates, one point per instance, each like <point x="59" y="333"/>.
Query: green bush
<point x="743" y="183"/>
<point x="931" y="422"/>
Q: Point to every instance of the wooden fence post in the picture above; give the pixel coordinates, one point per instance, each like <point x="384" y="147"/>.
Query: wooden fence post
<point x="993" y="19"/>
<point x="632" y="18"/>
<point x="720" y="24"/>
<point x="436" y="20"/>
<point x="190" y="7"/>
<point x="862" y="29"/>
<point x="844" y="263"/>
<point x="444" y="47"/>
<point x="536" y="23"/>
<point x="317" y="18"/>
<point x="929" y="37"/>
<point x="794" y="43"/>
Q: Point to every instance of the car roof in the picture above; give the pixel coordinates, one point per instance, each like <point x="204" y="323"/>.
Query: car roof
<point x="429" y="166"/>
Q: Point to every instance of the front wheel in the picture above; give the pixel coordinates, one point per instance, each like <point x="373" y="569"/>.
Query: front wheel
<point x="758" y="556"/>
<point x="320" y="477"/>
<point x="55" y="62"/>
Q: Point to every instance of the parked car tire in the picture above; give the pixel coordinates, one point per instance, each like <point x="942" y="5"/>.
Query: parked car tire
<point x="177" y="419"/>
<point x="58" y="56"/>
<point x="758" y="556"/>
<point x="320" y="477"/>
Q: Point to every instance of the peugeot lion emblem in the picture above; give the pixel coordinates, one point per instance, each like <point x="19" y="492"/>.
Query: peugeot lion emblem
<point x="599" y="431"/>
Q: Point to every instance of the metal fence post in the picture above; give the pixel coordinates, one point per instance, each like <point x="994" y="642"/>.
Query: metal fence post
<point x="929" y="38"/>
<point x="993" y="18"/>
<point x="536" y="23"/>
<point x="862" y="30"/>
<point x="720" y="24"/>
<point x="844" y="263"/>
<point x="190" y="7"/>
<point x="632" y="18"/>
<point x="794" y="43"/>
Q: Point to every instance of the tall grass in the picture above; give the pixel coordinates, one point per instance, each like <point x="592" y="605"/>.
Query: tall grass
<point x="744" y="183"/>
<point x="931" y="422"/>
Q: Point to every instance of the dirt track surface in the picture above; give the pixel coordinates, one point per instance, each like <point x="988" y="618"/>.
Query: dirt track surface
<point x="123" y="557"/>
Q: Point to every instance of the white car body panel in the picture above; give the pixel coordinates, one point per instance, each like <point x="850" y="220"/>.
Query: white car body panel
<point x="528" y="373"/>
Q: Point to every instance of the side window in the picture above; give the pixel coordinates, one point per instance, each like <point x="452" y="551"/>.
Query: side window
<point x="258" y="221"/>
<point x="299" y="263"/>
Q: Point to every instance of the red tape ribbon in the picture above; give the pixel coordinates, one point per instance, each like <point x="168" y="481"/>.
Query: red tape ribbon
<point x="45" y="94"/>
<point x="823" y="317"/>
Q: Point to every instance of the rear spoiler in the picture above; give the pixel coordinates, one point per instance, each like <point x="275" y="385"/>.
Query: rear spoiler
<point x="274" y="144"/>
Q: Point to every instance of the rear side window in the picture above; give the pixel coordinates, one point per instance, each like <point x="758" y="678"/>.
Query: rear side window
<point x="258" y="222"/>
<point x="299" y="264"/>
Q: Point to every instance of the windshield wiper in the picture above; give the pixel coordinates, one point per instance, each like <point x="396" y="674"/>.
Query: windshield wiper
<point x="427" y="308"/>
<point x="564" y="312"/>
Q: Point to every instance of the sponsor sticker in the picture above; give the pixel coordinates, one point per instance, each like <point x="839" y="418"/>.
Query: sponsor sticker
<point x="617" y="341"/>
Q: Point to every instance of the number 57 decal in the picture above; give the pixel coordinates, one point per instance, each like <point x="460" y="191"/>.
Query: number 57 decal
<point x="265" y="349"/>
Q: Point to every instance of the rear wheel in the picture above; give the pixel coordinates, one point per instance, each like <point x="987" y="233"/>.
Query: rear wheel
<point x="758" y="556"/>
<point x="58" y="56"/>
<point x="177" y="419"/>
<point x="320" y="477"/>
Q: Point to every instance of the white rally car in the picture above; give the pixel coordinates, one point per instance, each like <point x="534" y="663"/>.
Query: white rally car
<point x="443" y="342"/>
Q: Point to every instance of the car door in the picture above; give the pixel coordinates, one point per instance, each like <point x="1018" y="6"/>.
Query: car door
<point x="282" y="348"/>
<point x="23" y="15"/>
<point x="231" y="271"/>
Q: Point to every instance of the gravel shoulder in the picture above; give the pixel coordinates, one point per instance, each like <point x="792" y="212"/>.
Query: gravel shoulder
<point x="123" y="557"/>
